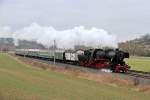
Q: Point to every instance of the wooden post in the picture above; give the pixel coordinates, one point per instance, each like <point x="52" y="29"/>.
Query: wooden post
<point x="54" y="51"/>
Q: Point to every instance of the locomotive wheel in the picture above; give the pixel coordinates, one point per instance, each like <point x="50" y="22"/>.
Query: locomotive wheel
<point x="82" y="63"/>
<point x="120" y="69"/>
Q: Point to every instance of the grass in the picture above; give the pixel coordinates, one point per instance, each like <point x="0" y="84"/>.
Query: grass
<point x="19" y="81"/>
<point x="139" y="63"/>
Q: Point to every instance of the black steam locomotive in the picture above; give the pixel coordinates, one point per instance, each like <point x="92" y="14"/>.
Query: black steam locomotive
<point x="107" y="59"/>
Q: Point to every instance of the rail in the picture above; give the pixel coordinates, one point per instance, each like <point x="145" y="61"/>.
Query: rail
<point x="139" y="74"/>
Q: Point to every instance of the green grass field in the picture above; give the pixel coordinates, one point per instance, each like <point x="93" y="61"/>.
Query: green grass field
<point x="22" y="82"/>
<point x="139" y="63"/>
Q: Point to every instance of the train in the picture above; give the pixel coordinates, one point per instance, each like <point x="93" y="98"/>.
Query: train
<point x="111" y="59"/>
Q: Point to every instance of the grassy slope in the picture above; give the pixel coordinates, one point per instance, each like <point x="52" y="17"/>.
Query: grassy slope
<point x="139" y="63"/>
<point x="21" y="82"/>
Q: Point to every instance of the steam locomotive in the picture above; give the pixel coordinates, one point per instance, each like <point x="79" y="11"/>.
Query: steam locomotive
<point x="105" y="59"/>
<point x="94" y="58"/>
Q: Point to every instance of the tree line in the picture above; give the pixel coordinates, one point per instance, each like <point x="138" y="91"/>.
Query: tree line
<point x="137" y="47"/>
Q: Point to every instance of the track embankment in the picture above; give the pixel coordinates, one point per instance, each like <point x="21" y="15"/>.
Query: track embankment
<point x="134" y="76"/>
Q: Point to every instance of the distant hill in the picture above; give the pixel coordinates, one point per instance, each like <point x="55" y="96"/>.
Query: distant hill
<point x="24" y="44"/>
<point x="139" y="46"/>
<point x="7" y="44"/>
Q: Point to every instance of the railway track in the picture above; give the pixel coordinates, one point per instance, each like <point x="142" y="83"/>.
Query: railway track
<point x="66" y="65"/>
<point x="139" y="74"/>
<point x="133" y="73"/>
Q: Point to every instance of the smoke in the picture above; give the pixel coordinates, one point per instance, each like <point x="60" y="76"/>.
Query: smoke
<point x="66" y="38"/>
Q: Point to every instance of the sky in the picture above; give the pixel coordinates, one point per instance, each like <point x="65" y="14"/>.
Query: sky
<point x="127" y="19"/>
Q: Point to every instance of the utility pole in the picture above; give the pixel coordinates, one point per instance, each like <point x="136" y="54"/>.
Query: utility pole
<point x="54" y="51"/>
<point x="48" y="51"/>
<point x="24" y="52"/>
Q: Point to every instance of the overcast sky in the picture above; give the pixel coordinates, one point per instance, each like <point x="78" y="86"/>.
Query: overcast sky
<point x="125" y="18"/>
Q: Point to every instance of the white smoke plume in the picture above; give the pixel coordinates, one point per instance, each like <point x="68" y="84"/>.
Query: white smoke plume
<point x="66" y="38"/>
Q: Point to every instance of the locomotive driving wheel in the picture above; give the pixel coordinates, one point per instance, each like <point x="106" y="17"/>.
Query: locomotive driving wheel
<point x="82" y="63"/>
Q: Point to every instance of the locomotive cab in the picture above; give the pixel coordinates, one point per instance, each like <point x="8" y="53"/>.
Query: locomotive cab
<point x="93" y="58"/>
<point x="84" y="57"/>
